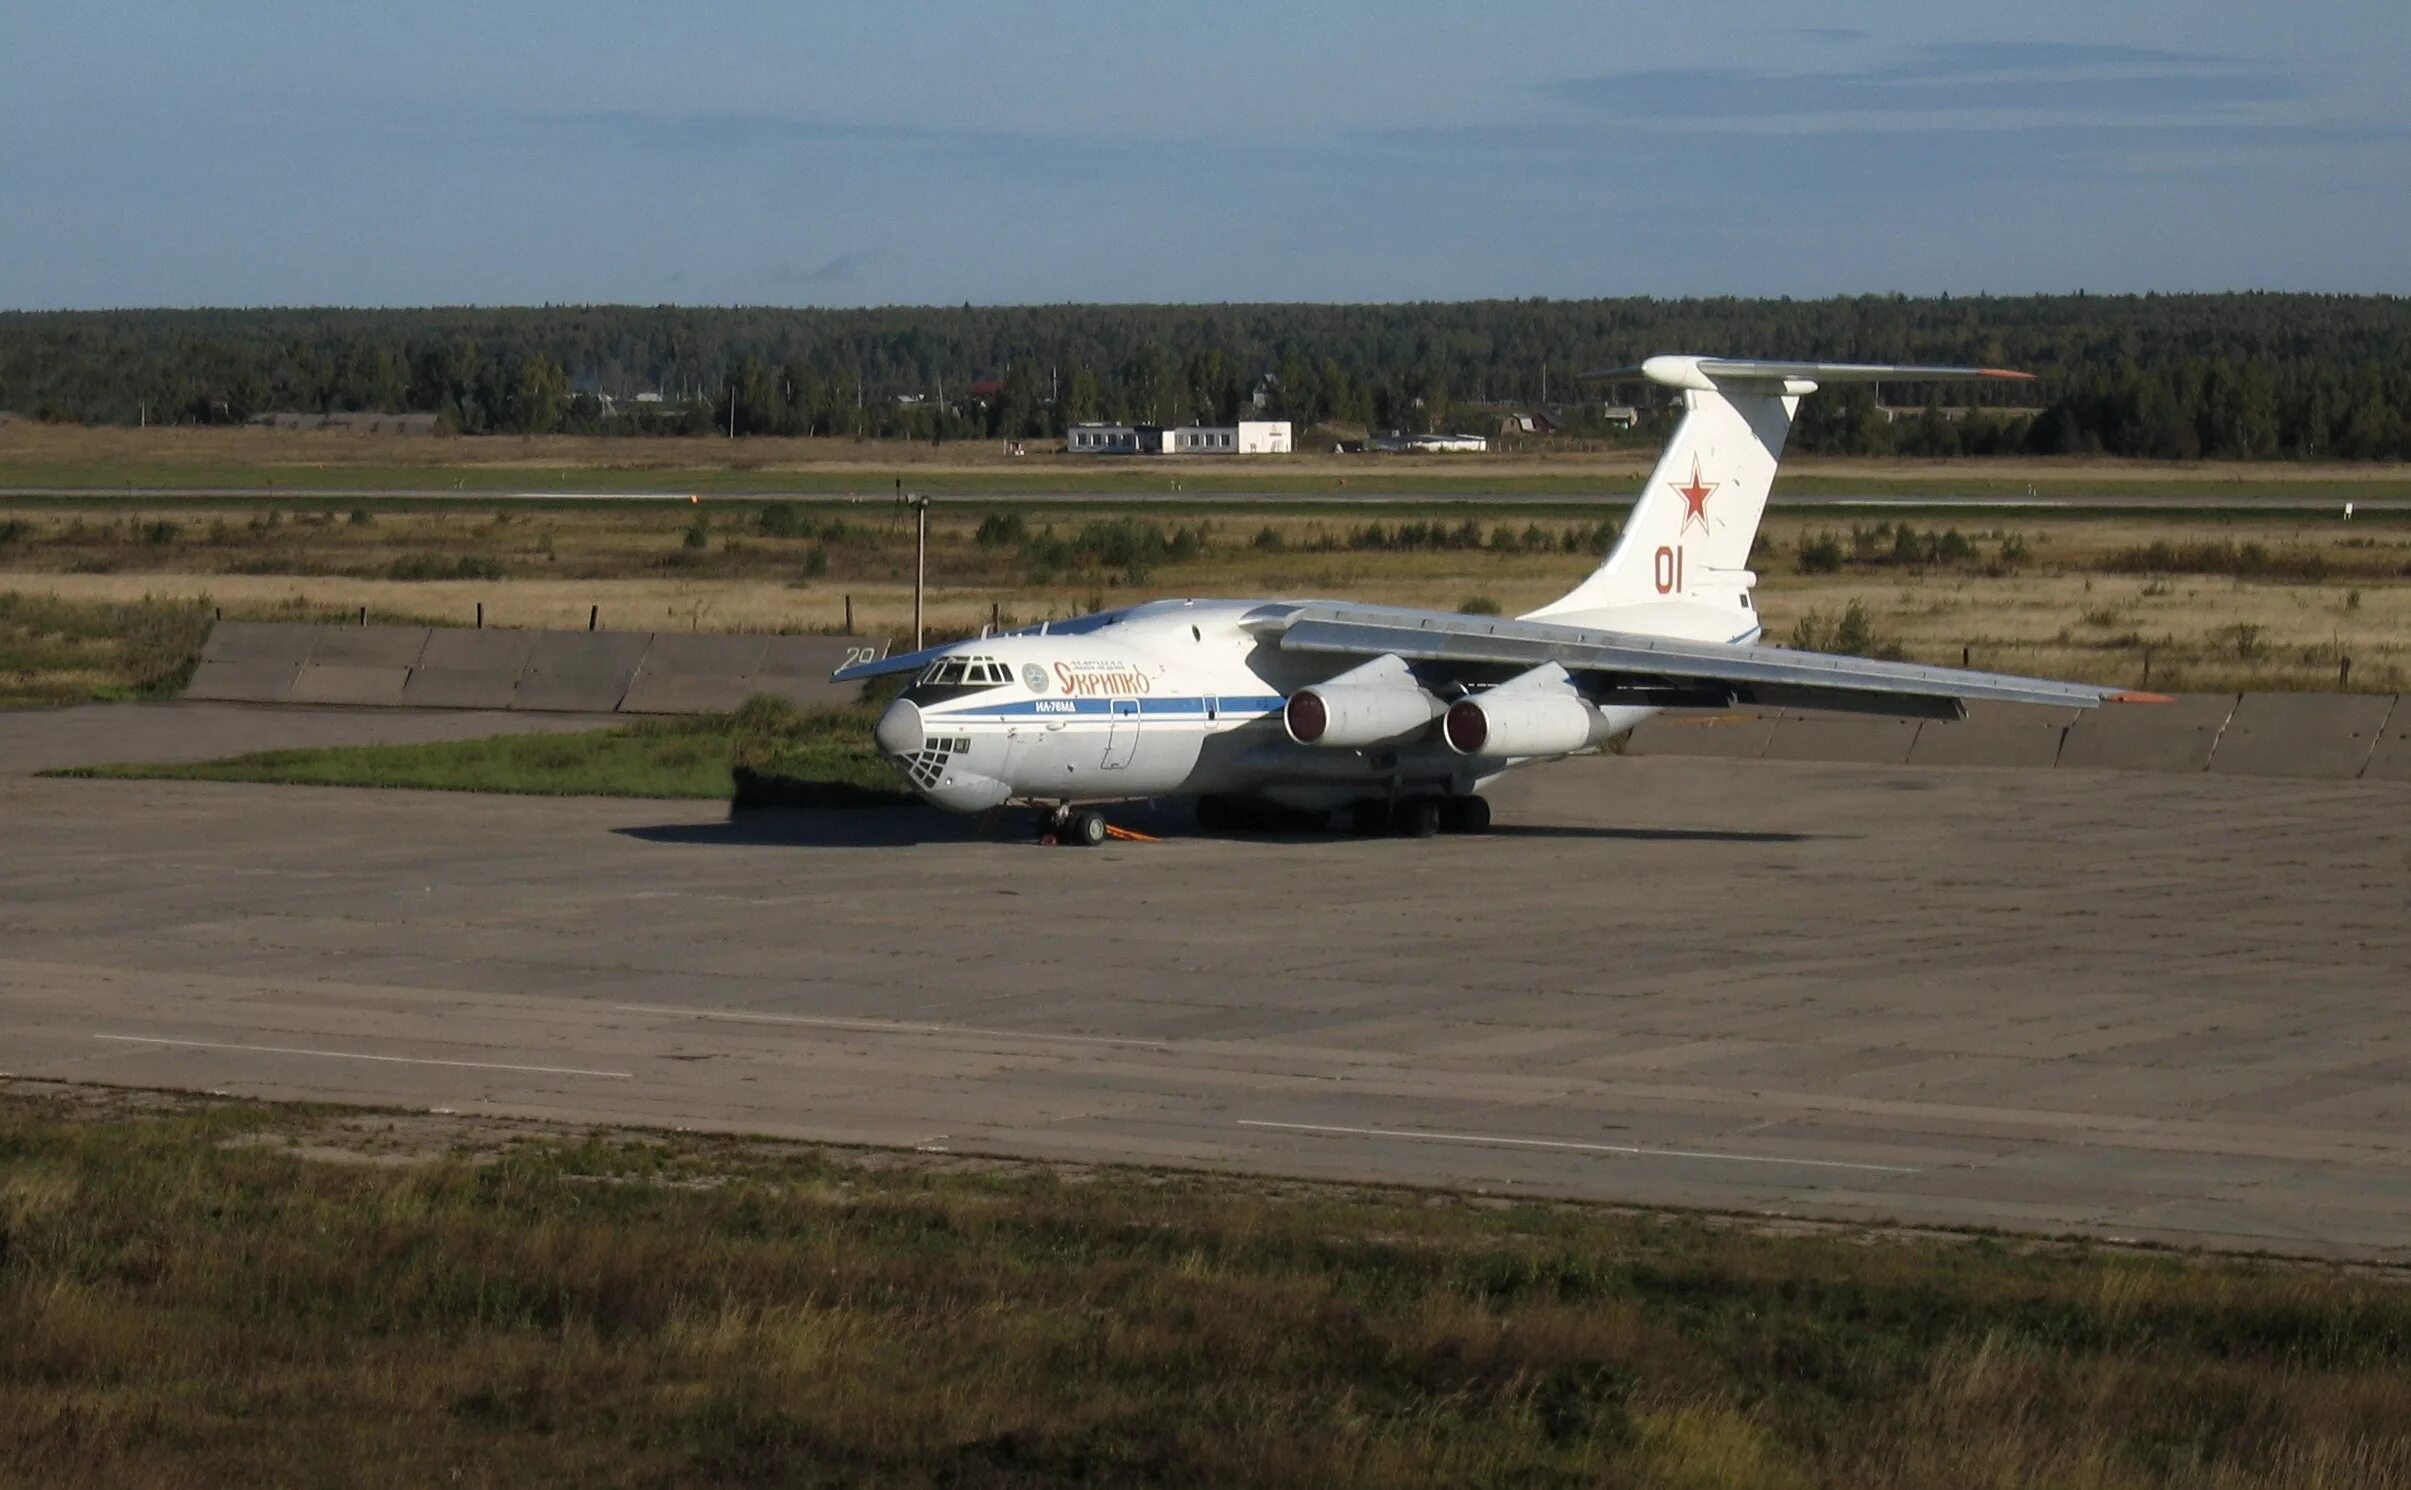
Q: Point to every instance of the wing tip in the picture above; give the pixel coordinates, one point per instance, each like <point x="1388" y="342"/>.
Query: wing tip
<point x="2005" y="372"/>
<point x="2138" y="696"/>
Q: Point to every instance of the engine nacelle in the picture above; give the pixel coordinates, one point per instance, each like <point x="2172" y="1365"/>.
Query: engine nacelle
<point x="1348" y="717"/>
<point x="1505" y="723"/>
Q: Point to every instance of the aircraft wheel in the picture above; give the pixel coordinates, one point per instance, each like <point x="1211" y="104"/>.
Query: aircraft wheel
<point x="1087" y="830"/>
<point x="1416" y="817"/>
<point x="1369" y="817"/>
<point x="1467" y="815"/>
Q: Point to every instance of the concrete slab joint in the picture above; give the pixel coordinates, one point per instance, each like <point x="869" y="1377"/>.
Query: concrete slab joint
<point x="2326" y="736"/>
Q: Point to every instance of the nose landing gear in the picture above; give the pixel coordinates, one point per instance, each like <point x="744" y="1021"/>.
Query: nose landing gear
<point x="1079" y="828"/>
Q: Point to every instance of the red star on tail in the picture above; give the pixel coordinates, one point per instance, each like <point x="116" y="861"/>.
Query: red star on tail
<point x="1695" y="496"/>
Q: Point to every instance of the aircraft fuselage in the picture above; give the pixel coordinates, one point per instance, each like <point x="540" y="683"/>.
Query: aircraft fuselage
<point x="1170" y="698"/>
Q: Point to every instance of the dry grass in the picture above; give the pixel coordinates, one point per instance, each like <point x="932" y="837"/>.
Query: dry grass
<point x="218" y="1293"/>
<point x="2058" y="609"/>
<point x="32" y="452"/>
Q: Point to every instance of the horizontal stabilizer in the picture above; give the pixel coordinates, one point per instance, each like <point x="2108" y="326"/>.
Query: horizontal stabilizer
<point x="1709" y="373"/>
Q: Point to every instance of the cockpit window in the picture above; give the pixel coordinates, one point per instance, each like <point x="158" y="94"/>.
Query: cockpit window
<point x="964" y="674"/>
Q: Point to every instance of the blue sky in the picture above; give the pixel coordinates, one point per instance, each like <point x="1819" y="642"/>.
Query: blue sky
<point x="935" y="153"/>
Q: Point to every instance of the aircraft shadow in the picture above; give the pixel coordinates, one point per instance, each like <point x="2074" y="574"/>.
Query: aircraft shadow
<point x="902" y="827"/>
<point x="772" y="827"/>
<point x="1646" y="835"/>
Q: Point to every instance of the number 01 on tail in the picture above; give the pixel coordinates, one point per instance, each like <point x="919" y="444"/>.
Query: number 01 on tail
<point x="1670" y="569"/>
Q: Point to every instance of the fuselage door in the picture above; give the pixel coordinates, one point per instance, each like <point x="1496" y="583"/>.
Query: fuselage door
<point x="1122" y="738"/>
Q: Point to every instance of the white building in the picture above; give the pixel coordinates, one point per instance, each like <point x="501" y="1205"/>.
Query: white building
<point x="1247" y="437"/>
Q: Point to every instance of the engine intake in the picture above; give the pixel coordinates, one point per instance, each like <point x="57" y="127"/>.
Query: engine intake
<point x="1503" y="724"/>
<point x="1345" y="717"/>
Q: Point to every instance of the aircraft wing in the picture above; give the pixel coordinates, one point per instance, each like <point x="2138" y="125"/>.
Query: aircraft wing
<point x="881" y="667"/>
<point x="1678" y="672"/>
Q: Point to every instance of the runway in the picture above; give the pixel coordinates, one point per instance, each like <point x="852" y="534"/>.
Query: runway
<point x="2165" y="1008"/>
<point x="2276" y="498"/>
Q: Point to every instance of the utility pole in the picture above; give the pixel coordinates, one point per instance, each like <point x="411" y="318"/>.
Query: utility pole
<point x="920" y="573"/>
<point x="732" y="411"/>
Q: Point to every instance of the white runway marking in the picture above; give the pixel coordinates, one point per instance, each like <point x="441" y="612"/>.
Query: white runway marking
<point x="354" y="1055"/>
<point x="1491" y="1140"/>
<point x="889" y="1026"/>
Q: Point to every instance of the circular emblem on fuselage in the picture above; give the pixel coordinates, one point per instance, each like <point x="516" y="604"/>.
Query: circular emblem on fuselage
<point x="1035" y="676"/>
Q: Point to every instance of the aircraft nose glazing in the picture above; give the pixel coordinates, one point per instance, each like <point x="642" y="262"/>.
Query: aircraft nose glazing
<point x="899" y="729"/>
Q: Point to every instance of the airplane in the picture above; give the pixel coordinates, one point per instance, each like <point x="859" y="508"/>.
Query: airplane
<point x="1274" y="712"/>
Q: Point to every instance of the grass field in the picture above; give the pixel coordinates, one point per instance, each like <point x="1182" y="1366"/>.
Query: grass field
<point x="97" y="459"/>
<point x="214" y="1292"/>
<point x="827" y="753"/>
<point x="54" y="651"/>
<point x="2174" y="600"/>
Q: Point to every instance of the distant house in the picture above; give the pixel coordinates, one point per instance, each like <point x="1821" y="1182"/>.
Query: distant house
<point x="1247" y="437"/>
<point x="1535" y="423"/>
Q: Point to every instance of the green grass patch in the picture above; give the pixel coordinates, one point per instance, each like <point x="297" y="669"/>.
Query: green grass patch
<point x="201" y="1292"/>
<point x="60" y="651"/>
<point x="826" y="754"/>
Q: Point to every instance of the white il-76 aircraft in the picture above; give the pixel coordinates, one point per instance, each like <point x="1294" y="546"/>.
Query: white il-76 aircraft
<point x="1398" y="717"/>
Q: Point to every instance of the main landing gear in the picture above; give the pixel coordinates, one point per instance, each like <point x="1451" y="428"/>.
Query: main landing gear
<point x="1421" y="816"/>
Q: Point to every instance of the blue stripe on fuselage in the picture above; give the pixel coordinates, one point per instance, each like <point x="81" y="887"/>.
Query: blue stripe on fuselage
<point x="1085" y="708"/>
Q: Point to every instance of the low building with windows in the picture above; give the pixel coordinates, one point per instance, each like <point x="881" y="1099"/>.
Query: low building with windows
<point x="1247" y="437"/>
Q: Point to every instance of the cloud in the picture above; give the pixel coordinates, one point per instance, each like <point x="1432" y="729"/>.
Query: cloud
<point x="2041" y="80"/>
<point x="1954" y="59"/>
<point x="839" y="269"/>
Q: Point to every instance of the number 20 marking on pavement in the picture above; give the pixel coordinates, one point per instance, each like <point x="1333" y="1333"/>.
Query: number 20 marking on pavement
<point x="1669" y="573"/>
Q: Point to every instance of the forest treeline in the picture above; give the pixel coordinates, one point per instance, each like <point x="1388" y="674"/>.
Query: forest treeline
<point x="2250" y="376"/>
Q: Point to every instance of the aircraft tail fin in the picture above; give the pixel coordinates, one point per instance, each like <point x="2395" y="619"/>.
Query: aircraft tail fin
<point x="1689" y="535"/>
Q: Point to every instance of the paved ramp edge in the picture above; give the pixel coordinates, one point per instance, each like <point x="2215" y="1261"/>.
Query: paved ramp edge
<point x="597" y="672"/>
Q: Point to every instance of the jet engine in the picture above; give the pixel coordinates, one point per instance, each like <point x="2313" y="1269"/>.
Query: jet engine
<point x="1342" y="717"/>
<point x="1503" y="723"/>
<point x="1375" y="703"/>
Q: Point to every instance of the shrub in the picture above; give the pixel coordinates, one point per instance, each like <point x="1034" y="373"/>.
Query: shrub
<point x="1478" y="605"/>
<point x="1002" y="530"/>
<point x="1852" y="633"/>
<point x="2241" y="561"/>
<point x="1821" y="554"/>
<point x="698" y="533"/>
<point x="435" y="566"/>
